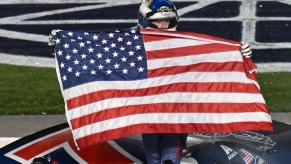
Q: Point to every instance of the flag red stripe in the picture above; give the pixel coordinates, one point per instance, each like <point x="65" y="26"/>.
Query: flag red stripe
<point x="190" y="50"/>
<point x="197" y="35"/>
<point x="172" y="128"/>
<point x="200" y="67"/>
<point x="151" y="38"/>
<point x="177" y="87"/>
<point x="167" y="108"/>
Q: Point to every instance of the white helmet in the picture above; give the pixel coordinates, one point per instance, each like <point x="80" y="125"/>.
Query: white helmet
<point x="153" y="10"/>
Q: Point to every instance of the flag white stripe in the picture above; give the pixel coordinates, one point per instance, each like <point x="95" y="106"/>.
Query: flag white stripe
<point x="172" y="43"/>
<point x="194" y="59"/>
<point x="170" y="118"/>
<point x="207" y="77"/>
<point x="177" y="97"/>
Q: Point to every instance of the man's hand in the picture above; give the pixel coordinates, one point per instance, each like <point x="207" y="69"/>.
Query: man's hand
<point x="246" y="50"/>
<point x="51" y="37"/>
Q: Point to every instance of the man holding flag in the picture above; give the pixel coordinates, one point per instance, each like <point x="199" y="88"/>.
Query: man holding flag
<point x="161" y="147"/>
<point x="160" y="83"/>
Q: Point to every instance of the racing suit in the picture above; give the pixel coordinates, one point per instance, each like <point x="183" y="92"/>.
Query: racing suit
<point x="164" y="147"/>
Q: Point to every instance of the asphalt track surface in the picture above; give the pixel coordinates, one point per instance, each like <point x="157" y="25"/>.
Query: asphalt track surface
<point x="15" y="127"/>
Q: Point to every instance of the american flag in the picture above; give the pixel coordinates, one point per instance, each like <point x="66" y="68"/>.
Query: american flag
<point x="247" y="156"/>
<point x="124" y="82"/>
